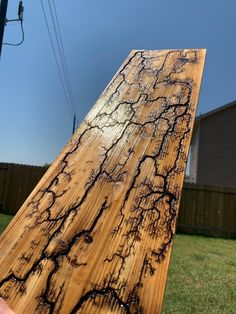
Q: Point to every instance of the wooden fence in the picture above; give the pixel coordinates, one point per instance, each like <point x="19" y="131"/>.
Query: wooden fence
<point x="16" y="183"/>
<point x="205" y="209"/>
<point x="208" y="210"/>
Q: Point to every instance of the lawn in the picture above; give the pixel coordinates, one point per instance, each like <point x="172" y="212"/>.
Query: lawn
<point x="202" y="275"/>
<point x="4" y="221"/>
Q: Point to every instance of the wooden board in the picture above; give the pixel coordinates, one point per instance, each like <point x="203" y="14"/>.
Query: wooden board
<point x="95" y="235"/>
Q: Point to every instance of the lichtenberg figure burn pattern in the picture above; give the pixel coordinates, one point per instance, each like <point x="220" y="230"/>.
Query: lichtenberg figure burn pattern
<point x="96" y="233"/>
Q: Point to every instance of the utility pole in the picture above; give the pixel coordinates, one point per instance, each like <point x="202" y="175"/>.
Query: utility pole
<point x="3" y="12"/>
<point x="74" y="121"/>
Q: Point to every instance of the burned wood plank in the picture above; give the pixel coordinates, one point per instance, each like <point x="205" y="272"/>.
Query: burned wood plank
<point x="95" y="235"/>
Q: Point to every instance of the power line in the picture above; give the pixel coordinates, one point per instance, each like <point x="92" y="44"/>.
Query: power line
<point x="65" y="89"/>
<point x="62" y="50"/>
<point x="65" y="72"/>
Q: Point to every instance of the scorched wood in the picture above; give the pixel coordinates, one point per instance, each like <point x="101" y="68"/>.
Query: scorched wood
<point x="95" y="235"/>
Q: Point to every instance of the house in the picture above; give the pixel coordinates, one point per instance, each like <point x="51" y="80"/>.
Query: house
<point x="213" y="148"/>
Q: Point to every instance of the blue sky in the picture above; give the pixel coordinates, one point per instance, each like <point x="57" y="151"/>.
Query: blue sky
<point x="35" y="122"/>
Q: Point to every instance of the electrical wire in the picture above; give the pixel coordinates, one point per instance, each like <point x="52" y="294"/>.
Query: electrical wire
<point x="22" y="40"/>
<point x="65" y="72"/>
<point x="57" y="62"/>
<point x="61" y="49"/>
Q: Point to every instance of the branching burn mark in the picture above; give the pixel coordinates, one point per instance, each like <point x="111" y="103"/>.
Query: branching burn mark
<point x="105" y="292"/>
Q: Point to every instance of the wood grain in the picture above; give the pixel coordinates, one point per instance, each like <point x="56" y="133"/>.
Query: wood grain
<point x="95" y="235"/>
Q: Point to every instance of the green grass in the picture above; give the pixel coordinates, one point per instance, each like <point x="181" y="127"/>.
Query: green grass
<point x="202" y="276"/>
<point x="4" y="221"/>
